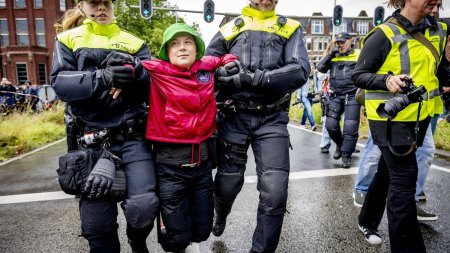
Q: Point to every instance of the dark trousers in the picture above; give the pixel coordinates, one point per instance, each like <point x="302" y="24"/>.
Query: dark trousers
<point x="186" y="202"/>
<point x="394" y="186"/>
<point x="99" y="216"/>
<point x="347" y="105"/>
<point x="269" y="138"/>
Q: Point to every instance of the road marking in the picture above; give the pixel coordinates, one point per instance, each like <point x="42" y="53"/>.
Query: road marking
<point x="32" y="197"/>
<point x="310" y="174"/>
<point x="193" y="248"/>
<point x="46" y="196"/>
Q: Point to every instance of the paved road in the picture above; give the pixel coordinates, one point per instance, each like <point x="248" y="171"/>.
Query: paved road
<point x="36" y="217"/>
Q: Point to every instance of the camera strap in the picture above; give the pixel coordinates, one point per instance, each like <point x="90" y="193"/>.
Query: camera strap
<point x="416" y="131"/>
<point x="421" y="38"/>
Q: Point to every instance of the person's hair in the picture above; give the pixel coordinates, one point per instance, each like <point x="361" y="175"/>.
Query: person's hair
<point x="396" y="4"/>
<point x="72" y="18"/>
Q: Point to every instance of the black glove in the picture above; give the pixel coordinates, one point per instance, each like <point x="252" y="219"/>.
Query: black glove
<point x="117" y="59"/>
<point x="101" y="178"/>
<point x="334" y="52"/>
<point x="243" y="79"/>
<point x="119" y="77"/>
<point x="228" y="69"/>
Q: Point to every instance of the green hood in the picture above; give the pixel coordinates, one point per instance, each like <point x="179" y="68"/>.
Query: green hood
<point x="173" y="30"/>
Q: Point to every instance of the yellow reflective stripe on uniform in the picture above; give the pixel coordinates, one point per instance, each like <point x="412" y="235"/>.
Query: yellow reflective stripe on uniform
<point x="388" y="95"/>
<point x="80" y="38"/>
<point x="350" y="57"/>
<point x="270" y="25"/>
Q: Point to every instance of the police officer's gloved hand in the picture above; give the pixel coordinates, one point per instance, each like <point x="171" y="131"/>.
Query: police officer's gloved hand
<point x="101" y="178"/>
<point x="228" y="69"/>
<point x="243" y="79"/>
<point x="334" y="52"/>
<point x="118" y="59"/>
<point x="118" y="77"/>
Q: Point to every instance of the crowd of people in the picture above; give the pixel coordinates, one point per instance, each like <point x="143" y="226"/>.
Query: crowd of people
<point x="20" y="97"/>
<point x="149" y="132"/>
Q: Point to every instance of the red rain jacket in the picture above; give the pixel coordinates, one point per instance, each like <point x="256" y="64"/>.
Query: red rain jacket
<point x="182" y="104"/>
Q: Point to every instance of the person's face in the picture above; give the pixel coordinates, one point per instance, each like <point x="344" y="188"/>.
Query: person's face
<point x="103" y="10"/>
<point x="265" y="5"/>
<point x="425" y="7"/>
<point x="343" y="46"/>
<point x="182" y="51"/>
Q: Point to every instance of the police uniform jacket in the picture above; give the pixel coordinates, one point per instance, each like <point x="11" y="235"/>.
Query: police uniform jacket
<point x="383" y="52"/>
<point x="341" y="69"/>
<point x="266" y="44"/>
<point x="77" y="79"/>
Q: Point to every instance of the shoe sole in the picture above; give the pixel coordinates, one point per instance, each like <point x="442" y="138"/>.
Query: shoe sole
<point x="367" y="240"/>
<point x="421" y="218"/>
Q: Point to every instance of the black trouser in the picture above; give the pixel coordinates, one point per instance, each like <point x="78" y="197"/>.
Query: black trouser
<point x="347" y="105"/>
<point x="187" y="207"/>
<point x="395" y="182"/>
<point x="99" y="216"/>
<point x="268" y="135"/>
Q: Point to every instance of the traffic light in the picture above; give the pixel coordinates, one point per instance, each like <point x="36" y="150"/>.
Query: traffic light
<point x="146" y="9"/>
<point x="208" y="11"/>
<point x="337" y="15"/>
<point x="378" y="17"/>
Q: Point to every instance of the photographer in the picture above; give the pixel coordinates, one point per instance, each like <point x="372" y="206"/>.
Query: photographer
<point x="394" y="63"/>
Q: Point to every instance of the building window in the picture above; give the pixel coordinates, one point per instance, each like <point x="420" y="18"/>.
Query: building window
<point x="22" y="74"/>
<point x="308" y="44"/>
<point x="62" y="5"/>
<point x="40" y="32"/>
<point x="317" y="27"/>
<point x="2" y="3"/>
<point x="42" y="73"/>
<point x="362" y="28"/>
<point x="22" y="32"/>
<point x="19" y="4"/>
<point x="341" y="29"/>
<point x="37" y="3"/>
<point x="4" y="35"/>
<point x="320" y="43"/>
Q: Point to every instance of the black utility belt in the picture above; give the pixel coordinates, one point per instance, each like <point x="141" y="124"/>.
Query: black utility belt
<point x="131" y="129"/>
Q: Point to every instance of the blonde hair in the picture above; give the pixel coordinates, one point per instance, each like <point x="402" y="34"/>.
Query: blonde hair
<point x="72" y="18"/>
<point x="397" y="4"/>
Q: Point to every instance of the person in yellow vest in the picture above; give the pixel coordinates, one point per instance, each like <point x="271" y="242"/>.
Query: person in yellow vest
<point x="395" y="61"/>
<point x="85" y="75"/>
<point x="341" y="62"/>
<point x="253" y="108"/>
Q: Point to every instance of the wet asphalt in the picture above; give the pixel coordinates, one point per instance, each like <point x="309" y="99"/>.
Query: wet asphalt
<point x="321" y="216"/>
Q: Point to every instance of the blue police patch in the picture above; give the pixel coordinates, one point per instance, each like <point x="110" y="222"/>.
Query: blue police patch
<point x="203" y="76"/>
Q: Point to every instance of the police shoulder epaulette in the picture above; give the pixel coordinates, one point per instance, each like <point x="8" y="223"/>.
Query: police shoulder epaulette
<point x="134" y="43"/>
<point x="234" y="27"/>
<point x="288" y="28"/>
<point x="67" y="37"/>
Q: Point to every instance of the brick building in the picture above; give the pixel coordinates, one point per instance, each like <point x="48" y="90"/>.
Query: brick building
<point x="27" y="38"/>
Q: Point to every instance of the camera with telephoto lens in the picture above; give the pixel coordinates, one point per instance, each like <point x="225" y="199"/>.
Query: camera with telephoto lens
<point x="410" y="94"/>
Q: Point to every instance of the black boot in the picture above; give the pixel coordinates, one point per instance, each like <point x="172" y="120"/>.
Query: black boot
<point x="346" y="161"/>
<point x="219" y="225"/>
<point x="337" y="153"/>
<point x="138" y="248"/>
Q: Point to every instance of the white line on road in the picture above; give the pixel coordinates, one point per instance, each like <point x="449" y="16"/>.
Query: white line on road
<point x="42" y="196"/>
<point x="46" y="196"/>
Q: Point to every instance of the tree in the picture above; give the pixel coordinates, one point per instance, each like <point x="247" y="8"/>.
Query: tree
<point x="150" y="30"/>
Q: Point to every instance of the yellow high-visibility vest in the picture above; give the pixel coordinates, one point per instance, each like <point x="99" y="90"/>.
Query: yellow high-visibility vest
<point x="409" y="56"/>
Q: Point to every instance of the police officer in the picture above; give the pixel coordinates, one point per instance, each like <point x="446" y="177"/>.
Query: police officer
<point x="252" y="106"/>
<point x="391" y="57"/>
<point x="341" y="63"/>
<point x="85" y="78"/>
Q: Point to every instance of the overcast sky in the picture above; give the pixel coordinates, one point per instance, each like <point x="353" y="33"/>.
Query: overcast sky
<point x="284" y="7"/>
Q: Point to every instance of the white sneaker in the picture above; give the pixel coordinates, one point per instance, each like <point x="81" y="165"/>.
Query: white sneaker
<point x="371" y="235"/>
